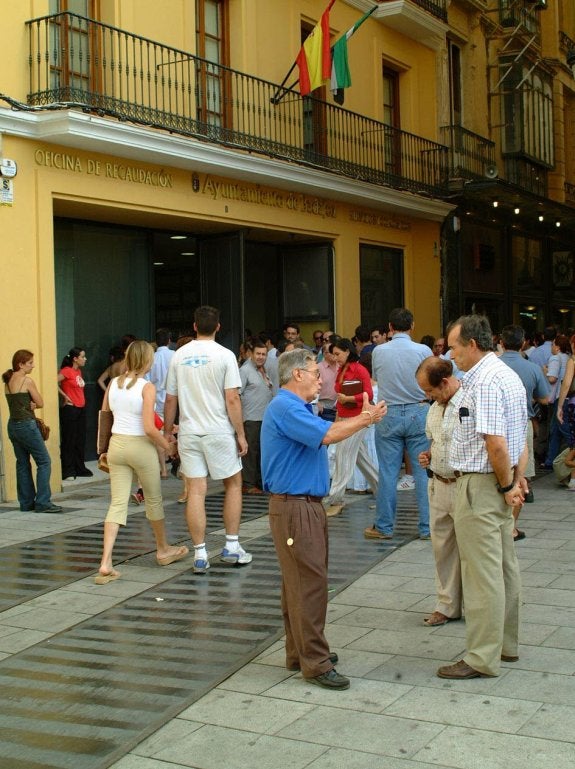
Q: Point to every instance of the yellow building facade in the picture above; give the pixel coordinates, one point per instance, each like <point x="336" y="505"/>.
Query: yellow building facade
<point x="150" y="164"/>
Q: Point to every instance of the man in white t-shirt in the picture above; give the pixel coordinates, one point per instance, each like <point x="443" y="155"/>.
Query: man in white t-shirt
<point x="204" y="381"/>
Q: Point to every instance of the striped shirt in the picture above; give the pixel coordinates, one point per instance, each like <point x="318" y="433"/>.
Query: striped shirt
<point x="442" y="419"/>
<point x="493" y="403"/>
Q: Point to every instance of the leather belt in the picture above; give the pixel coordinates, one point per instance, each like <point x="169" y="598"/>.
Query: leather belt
<point x="444" y="480"/>
<point x="307" y="497"/>
<point x="459" y="474"/>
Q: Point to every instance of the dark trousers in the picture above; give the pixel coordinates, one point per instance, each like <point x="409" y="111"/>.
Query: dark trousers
<point x="251" y="467"/>
<point x="72" y="440"/>
<point x="303" y="566"/>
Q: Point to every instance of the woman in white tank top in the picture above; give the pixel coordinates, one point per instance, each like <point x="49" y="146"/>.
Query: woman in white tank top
<point x="133" y="450"/>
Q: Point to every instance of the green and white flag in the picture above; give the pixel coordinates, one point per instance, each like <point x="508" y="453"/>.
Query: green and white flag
<point x="340" y="74"/>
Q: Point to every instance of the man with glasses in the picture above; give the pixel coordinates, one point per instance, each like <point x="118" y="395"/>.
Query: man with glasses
<point x="295" y="472"/>
<point x="317" y="342"/>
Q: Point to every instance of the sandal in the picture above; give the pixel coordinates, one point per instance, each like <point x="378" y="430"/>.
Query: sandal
<point x="519" y="535"/>
<point x="177" y="555"/>
<point x="437" y="618"/>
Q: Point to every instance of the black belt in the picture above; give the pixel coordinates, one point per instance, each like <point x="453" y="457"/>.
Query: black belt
<point x="445" y="480"/>
<point x="307" y="497"/>
<point x="459" y="474"/>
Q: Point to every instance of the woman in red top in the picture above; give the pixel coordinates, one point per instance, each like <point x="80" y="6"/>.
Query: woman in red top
<point x="73" y="415"/>
<point x="352" y="450"/>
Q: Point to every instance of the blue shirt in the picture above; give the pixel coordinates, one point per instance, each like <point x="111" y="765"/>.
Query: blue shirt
<point x="394" y="365"/>
<point x="540" y="355"/>
<point x="294" y="461"/>
<point x="534" y="381"/>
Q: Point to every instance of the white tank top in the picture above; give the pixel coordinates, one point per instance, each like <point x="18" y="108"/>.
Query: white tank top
<point x="127" y="405"/>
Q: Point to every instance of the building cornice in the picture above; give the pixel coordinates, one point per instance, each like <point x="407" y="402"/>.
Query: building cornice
<point x="70" y="128"/>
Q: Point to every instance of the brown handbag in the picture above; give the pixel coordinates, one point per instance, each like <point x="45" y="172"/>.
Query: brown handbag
<point x="43" y="427"/>
<point x="105" y="422"/>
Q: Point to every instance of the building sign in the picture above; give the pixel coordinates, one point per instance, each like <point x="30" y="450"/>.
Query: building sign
<point x="64" y="161"/>
<point x="6" y="192"/>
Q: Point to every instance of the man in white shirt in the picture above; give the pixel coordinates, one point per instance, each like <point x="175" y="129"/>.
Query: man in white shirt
<point x="157" y="376"/>
<point x="204" y="380"/>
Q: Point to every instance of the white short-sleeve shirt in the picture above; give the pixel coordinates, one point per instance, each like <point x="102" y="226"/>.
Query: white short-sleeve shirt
<point x="199" y="373"/>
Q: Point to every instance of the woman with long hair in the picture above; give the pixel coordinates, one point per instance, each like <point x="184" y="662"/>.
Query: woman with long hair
<point x="352" y="450"/>
<point x="23" y="397"/>
<point x="132" y="450"/>
<point x="73" y="415"/>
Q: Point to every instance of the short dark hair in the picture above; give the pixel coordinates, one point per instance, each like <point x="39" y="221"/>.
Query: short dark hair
<point x="381" y="329"/>
<point x="345" y="344"/>
<point x="401" y="319"/>
<point x="363" y="334"/>
<point x="428" y="340"/>
<point x="549" y="333"/>
<point x="435" y="370"/>
<point x="290" y="324"/>
<point x="252" y="342"/>
<point x="475" y="327"/>
<point x="163" y="337"/>
<point x="206" y="319"/>
<point x="512" y="337"/>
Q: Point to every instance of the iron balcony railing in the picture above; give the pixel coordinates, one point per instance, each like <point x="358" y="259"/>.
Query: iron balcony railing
<point x="519" y="14"/>
<point x="470" y="155"/>
<point x="569" y="193"/>
<point x="437" y="8"/>
<point x="84" y="64"/>
<point x="527" y="175"/>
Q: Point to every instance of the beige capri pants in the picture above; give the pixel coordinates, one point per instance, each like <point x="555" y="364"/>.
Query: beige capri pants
<point x="129" y="455"/>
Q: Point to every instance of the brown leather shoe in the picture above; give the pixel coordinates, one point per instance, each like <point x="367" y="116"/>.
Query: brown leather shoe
<point x="508" y="658"/>
<point x="372" y="533"/>
<point x="459" y="670"/>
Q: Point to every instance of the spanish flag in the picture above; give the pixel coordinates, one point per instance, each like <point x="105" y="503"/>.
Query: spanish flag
<point x="314" y="58"/>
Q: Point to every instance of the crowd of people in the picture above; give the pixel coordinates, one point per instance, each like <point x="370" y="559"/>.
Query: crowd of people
<point x="468" y="414"/>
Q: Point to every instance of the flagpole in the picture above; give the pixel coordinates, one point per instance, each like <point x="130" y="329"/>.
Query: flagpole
<point x="276" y="98"/>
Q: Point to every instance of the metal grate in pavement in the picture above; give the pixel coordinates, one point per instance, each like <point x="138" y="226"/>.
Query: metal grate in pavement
<point x="33" y="568"/>
<point x="88" y="695"/>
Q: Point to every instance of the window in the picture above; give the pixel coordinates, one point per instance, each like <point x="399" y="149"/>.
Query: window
<point x="381" y="283"/>
<point x="455" y="99"/>
<point x="212" y="45"/>
<point x="527" y="113"/>
<point x="73" y="45"/>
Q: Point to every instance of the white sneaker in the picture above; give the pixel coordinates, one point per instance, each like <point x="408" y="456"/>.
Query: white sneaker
<point x="406" y="483"/>
<point x="239" y="556"/>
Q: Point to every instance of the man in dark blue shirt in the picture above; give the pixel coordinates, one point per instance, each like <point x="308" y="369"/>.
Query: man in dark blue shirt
<point x="295" y="473"/>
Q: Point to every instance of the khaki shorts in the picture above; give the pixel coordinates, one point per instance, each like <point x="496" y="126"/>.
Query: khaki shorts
<point x="213" y="455"/>
<point x="530" y="467"/>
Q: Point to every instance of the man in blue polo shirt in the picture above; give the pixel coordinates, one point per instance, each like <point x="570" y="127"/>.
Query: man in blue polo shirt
<point x="295" y="472"/>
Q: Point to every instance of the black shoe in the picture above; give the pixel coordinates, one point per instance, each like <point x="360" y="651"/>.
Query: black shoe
<point x="333" y="658"/>
<point x="85" y="473"/>
<point x="529" y="496"/>
<point x="51" y="509"/>
<point x="330" y="680"/>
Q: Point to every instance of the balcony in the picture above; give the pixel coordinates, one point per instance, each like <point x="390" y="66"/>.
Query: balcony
<point x="470" y="155"/>
<point x="527" y="175"/>
<point x="424" y="21"/>
<point x="516" y="14"/>
<point x="78" y="63"/>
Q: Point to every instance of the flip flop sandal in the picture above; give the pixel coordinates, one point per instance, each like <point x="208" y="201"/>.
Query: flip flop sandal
<point x="103" y="579"/>
<point x="181" y="553"/>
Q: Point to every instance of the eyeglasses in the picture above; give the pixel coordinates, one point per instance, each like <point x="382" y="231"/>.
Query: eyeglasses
<point x="316" y="372"/>
<point x="318" y="338"/>
<point x="327" y="338"/>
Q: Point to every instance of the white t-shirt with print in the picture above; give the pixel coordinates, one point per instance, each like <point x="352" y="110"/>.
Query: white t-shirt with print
<point x="199" y="373"/>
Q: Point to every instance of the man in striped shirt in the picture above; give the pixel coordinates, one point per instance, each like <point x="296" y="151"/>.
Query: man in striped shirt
<point x="488" y="455"/>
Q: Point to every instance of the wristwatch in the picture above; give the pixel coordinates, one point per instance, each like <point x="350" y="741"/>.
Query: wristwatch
<point x="504" y="489"/>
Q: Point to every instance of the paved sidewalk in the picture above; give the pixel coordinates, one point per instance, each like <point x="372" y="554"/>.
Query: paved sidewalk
<point x="398" y="714"/>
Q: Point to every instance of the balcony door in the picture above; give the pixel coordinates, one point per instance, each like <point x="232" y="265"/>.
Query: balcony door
<point x="314" y="116"/>
<point x="73" y="44"/>
<point x="212" y="45"/>
<point x="392" y="141"/>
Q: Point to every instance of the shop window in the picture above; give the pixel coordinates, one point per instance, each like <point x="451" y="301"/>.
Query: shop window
<point x="527" y="261"/>
<point x="381" y="283"/>
<point x="212" y="45"/>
